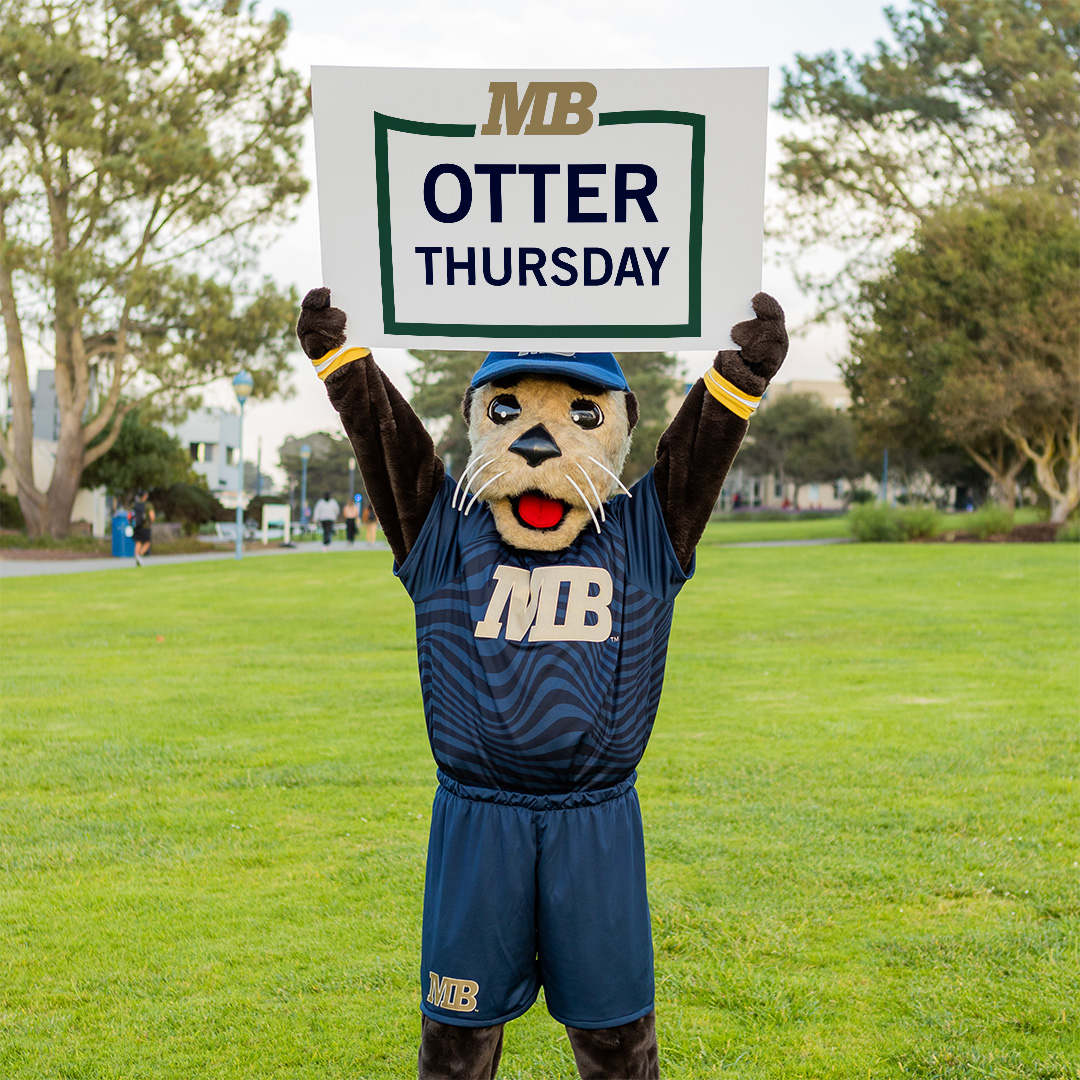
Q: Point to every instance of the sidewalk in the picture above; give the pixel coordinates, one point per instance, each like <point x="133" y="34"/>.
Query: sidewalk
<point x="13" y="568"/>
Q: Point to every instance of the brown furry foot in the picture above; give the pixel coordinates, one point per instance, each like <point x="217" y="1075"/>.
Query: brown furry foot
<point x="448" y="1052"/>
<point x="626" y="1052"/>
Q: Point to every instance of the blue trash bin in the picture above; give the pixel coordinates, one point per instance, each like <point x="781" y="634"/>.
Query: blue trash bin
<point x="123" y="536"/>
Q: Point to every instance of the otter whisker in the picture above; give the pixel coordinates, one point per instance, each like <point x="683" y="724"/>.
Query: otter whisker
<point x="464" y="474"/>
<point x="588" y="505"/>
<point x="596" y="494"/>
<point x="477" y="495"/>
<point x="612" y="475"/>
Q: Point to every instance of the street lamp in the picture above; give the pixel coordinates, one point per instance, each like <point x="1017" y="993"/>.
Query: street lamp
<point x="305" y="453"/>
<point x="241" y="388"/>
<point x="352" y="477"/>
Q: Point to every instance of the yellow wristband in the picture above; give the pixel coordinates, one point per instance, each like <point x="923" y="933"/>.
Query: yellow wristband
<point x="729" y="395"/>
<point x="337" y="358"/>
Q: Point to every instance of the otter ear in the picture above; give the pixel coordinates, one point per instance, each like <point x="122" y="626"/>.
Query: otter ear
<point x="466" y="404"/>
<point x="632" y="411"/>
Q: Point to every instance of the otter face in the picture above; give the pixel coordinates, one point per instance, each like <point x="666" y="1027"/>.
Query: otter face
<point x="546" y="456"/>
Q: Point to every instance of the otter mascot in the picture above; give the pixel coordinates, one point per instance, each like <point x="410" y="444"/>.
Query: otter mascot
<point x="544" y="592"/>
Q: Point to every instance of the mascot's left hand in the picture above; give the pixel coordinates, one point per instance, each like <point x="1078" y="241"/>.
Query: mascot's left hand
<point x="763" y="344"/>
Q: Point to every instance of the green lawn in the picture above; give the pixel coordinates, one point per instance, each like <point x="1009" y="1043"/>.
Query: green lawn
<point x="859" y="803"/>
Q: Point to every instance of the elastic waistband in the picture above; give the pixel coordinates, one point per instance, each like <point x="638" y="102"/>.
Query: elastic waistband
<point x="568" y="800"/>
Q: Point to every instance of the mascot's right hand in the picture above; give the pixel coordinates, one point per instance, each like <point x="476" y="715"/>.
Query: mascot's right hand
<point x="320" y="327"/>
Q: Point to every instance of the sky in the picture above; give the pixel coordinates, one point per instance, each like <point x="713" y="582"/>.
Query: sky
<point x="546" y="34"/>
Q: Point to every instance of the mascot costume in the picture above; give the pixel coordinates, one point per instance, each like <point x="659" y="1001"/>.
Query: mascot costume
<point x="544" y="592"/>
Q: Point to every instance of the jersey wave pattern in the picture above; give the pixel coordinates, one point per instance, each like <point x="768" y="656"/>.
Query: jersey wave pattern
<point x="541" y="672"/>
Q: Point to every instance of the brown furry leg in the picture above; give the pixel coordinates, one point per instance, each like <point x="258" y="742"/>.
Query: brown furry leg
<point x="448" y="1052"/>
<point x="626" y="1052"/>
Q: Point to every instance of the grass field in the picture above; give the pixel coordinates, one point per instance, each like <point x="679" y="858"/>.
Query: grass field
<point x="859" y="803"/>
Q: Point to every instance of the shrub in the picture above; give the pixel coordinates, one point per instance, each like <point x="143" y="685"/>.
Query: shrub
<point x="991" y="519"/>
<point x="861" y="495"/>
<point x="919" y="522"/>
<point x="874" y="522"/>
<point x="11" y="515"/>
<point x="190" y="504"/>
<point x="1070" y="531"/>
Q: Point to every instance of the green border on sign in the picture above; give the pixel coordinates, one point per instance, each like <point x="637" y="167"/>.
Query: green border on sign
<point x="391" y="325"/>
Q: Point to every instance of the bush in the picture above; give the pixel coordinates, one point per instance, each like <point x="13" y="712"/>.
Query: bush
<point x="189" y="504"/>
<point x="991" y="519"/>
<point x="11" y="515"/>
<point x="919" y="522"/>
<point x="1070" y="531"/>
<point x="874" y="522"/>
<point x="861" y="495"/>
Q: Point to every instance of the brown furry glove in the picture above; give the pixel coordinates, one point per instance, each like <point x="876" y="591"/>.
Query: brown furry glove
<point x="320" y="327"/>
<point x="763" y="344"/>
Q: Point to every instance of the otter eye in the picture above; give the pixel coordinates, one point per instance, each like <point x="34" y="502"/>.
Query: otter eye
<point x="586" y="414"/>
<point x="504" y="408"/>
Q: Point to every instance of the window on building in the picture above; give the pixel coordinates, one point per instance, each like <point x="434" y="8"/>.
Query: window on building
<point x="778" y="490"/>
<point x="232" y="455"/>
<point x="198" y="451"/>
<point x="210" y="448"/>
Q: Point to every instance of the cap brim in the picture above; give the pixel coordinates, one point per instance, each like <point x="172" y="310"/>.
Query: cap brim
<point x="570" y="369"/>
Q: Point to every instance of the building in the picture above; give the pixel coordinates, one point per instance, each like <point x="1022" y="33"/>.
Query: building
<point x="212" y="438"/>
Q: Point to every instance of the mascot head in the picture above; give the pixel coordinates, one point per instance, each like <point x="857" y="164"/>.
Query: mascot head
<point x="548" y="434"/>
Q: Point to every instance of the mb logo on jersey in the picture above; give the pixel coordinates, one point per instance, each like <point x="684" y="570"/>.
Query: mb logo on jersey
<point x="456" y="994"/>
<point x="526" y="605"/>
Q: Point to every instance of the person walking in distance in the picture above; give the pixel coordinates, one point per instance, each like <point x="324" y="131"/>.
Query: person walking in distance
<point x="325" y="512"/>
<point x="370" y="521"/>
<point x="142" y="516"/>
<point x="351" y="514"/>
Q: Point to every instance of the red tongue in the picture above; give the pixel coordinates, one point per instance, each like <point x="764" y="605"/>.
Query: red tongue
<point x="539" y="511"/>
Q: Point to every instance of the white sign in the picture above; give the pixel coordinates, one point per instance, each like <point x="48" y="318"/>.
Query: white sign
<point x="633" y="220"/>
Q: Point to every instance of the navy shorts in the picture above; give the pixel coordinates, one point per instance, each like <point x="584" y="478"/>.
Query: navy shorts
<point x="524" y="891"/>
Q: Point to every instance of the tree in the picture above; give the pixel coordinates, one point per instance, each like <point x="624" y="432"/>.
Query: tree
<point x="972" y="95"/>
<point x="142" y="457"/>
<point x="328" y="466"/>
<point x="798" y="439"/>
<point x="141" y="143"/>
<point x="441" y="379"/>
<point x="971" y="338"/>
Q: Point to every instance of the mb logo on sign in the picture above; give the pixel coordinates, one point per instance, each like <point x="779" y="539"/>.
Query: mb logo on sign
<point x="570" y="99"/>
<point x="443" y="223"/>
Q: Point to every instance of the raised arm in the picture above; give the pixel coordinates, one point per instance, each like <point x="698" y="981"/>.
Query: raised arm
<point x="397" y="459"/>
<point x="695" y="453"/>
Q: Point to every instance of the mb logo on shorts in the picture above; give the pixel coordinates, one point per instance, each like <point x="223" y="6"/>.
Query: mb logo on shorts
<point x="456" y="994"/>
<point x="530" y="603"/>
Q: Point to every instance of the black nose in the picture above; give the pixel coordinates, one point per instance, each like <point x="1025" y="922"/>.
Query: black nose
<point x="536" y="445"/>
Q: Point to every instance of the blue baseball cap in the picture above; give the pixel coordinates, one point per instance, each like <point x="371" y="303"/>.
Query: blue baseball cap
<point x="597" y="368"/>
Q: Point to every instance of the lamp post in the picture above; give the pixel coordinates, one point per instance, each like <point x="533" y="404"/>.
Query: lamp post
<point x="242" y="388"/>
<point x="352" y="477"/>
<point x="305" y="453"/>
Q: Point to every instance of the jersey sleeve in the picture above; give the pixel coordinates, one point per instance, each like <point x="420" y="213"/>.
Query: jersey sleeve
<point x="435" y="558"/>
<point x="652" y="564"/>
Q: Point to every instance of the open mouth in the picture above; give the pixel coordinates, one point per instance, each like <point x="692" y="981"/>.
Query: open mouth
<point x="536" y="511"/>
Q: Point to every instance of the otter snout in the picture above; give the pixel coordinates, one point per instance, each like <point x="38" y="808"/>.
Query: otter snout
<point x="536" y="446"/>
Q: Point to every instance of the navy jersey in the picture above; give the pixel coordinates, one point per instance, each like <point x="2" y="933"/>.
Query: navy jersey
<point x="541" y="671"/>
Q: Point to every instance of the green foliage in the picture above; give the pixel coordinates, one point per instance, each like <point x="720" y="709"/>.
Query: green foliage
<point x="798" y="439"/>
<point x="970" y="339"/>
<point x="861" y="852"/>
<point x="968" y="95"/>
<point x="193" y="505"/>
<point x="327" y="468"/>
<point x="441" y="378"/>
<point x="142" y="457"/>
<point x="874" y="522"/>
<point x="919" y="522"/>
<point x="1069" y="533"/>
<point x="11" y="515"/>
<point x="861" y="495"/>
<point x="144" y="149"/>
<point x="991" y="519"/>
